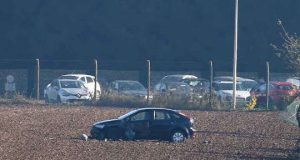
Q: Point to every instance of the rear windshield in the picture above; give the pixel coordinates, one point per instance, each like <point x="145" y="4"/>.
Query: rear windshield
<point x="68" y="77"/>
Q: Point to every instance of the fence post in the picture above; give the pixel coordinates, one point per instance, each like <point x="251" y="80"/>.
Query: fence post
<point x="149" y="81"/>
<point x="96" y="79"/>
<point x="211" y="81"/>
<point x="268" y="82"/>
<point x="37" y="79"/>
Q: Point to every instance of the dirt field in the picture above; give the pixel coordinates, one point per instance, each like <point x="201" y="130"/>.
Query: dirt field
<point x="49" y="132"/>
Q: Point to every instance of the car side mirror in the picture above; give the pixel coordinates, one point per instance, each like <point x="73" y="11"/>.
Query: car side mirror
<point x="56" y="88"/>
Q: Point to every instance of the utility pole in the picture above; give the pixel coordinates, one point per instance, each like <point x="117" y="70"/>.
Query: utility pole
<point x="37" y="79"/>
<point x="211" y="80"/>
<point x="149" y="81"/>
<point x="96" y="79"/>
<point x="235" y="53"/>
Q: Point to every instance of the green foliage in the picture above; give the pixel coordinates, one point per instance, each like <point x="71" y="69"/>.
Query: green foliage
<point x="289" y="51"/>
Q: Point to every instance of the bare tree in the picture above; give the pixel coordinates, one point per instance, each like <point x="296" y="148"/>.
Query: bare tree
<point x="289" y="51"/>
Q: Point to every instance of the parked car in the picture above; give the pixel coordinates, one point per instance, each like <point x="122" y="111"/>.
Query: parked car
<point x="180" y="89"/>
<point x="246" y="83"/>
<point x="66" y="90"/>
<point x="295" y="81"/>
<point x="224" y="91"/>
<point x="181" y="85"/>
<point x="88" y="81"/>
<point x="177" y="78"/>
<point x="128" y="88"/>
<point x="279" y="93"/>
<point x="146" y="123"/>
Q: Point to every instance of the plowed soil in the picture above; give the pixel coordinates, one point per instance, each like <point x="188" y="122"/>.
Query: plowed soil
<point x="52" y="132"/>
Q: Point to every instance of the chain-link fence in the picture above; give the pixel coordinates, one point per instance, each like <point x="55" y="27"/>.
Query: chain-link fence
<point x="204" y="89"/>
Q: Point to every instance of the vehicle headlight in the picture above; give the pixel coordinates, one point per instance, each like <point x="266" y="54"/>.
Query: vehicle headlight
<point x="65" y="93"/>
<point x="100" y="126"/>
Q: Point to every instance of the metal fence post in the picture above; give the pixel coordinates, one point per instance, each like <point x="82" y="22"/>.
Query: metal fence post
<point x="149" y="81"/>
<point x="211" y="81"/>
<point x="268" y="83"/>
<point x="96" y="79"/>
<point x="37" y="79"/>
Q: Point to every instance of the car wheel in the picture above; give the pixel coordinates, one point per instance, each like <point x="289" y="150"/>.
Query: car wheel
<point x="178" y="136"/>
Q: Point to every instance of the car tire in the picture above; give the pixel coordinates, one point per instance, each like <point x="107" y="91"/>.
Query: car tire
<point x="177" y="136"/>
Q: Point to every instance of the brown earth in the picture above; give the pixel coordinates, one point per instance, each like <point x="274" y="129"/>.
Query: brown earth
<point x="52" y="132"/>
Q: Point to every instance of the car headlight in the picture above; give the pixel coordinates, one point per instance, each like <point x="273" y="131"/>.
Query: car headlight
<point x="100" y="126"/>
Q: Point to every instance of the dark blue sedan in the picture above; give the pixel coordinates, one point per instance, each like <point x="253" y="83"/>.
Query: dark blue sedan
<point x="146" y="123"/>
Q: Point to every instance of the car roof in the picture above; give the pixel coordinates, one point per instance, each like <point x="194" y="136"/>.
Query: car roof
<point x="297" y="78"/>
<point x="282" y="83"/>
<point x="230" y="78"/>
<point x="125" y="81"/>
<point x="68" y="80"/>
<point x="78" y="75"/>
<point x="218" y="81"/>
<point x="182" y="76"/>
<point x="155" y="108"/>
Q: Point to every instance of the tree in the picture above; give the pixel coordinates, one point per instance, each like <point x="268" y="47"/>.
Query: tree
<point x="289" y="51"/>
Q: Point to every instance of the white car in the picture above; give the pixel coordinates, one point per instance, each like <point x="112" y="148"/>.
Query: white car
<point x="224" y="91"/>
<point x="295" y="81"/>
<point x="88" y="81"/>
<point x="246" y="83"/>
<point x="66" y="90"/>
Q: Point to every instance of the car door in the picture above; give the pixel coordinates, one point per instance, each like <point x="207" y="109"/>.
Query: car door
<point x="161" y="125"/>
<point x="260" y="94"/>
<point x="53" y="90"/>
<point x="139" y="123"/>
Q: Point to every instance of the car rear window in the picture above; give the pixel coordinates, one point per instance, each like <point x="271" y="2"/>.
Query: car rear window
<point x="68" y="77"/>
<point x="282" y="87"/>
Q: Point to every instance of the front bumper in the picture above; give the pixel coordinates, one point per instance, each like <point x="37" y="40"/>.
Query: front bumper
<point x="192" y="132"/>
<point x="73" y="98"/>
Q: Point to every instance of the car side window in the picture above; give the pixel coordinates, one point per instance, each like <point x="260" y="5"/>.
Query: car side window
<point x="54" y="84"/>
<point x="89" y="80"/>
<point x="159" y="115"/>
<point x="175" y="116"/>
<point x="157" y="86"/>
<point x="262" y="88"/>
<point x="163" y="87"/>
<point x="83" y="79"/>
<point x="141" y="116"/>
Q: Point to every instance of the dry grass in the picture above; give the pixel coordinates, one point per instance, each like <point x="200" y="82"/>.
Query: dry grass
<point x="51" y="132"/>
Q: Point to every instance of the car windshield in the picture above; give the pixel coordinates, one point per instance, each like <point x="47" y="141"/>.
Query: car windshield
<point x="284" y="87"/>
<point x="68" y="77"/>
<point x="179" y="87"/>
<point x="249" y="84"/>
<point x="71" y="84"/>
<point x="229" y="86"/>
<point x="135" y="86"/>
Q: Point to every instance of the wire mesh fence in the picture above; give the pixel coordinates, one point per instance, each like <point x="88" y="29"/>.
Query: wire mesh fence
<point x="188" y="89"/>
